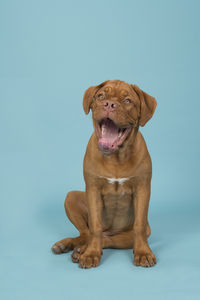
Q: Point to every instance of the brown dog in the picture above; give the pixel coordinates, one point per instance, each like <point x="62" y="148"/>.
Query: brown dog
<point x="112" y="212"/>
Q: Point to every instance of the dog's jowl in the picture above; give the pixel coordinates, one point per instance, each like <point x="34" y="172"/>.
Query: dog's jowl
<point x="113" y="210"/>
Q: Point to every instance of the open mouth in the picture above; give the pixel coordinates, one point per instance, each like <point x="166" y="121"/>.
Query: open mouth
<point x="110" y="136"/>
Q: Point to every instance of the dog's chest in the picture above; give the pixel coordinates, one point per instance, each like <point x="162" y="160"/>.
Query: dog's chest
<point x="117" y="194"/>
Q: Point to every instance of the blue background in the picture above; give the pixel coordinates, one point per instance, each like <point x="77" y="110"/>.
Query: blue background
<point x="50" y="52"/>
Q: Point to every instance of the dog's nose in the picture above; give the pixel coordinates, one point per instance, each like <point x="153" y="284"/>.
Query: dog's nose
<point x="110" y="105"/>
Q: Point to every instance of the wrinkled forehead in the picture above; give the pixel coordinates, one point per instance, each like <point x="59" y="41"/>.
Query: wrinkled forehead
<point x="118" y="89"/>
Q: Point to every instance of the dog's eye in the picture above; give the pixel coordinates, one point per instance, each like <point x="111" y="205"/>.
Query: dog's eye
<point x="100" y="96"/>
<point x="127" y="100"/>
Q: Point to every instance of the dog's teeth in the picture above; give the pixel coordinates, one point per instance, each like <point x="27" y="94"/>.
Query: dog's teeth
<point x="103" y="129"/>
<point x="119" y="134"/>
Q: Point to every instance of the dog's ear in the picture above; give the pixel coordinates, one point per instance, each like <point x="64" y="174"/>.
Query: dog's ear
<point x="147" y="105"/>
<point x="89" y="94"/>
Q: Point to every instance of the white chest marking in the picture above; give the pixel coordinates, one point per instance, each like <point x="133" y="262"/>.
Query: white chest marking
<point x="113" y="180"/>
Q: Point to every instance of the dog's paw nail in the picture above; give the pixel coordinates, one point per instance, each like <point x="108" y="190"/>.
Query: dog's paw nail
<point x="62" y="246"/>
<point x="56" y="250"/>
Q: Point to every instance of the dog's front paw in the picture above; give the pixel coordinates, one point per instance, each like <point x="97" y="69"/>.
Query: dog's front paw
<point x="89" y="260"/>
<point x="144" y="259"/>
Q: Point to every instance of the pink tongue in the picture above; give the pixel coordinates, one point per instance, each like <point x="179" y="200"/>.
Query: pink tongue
<point x="109" y="136"/>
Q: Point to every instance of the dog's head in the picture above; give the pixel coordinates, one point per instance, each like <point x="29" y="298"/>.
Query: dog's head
<point x="117" y="109"/>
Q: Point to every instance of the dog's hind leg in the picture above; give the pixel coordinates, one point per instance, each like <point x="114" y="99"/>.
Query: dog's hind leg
<point x="122" y="240"/>
<point x="76" y="210"/>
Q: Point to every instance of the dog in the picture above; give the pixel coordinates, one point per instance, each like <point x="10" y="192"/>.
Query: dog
<point x="113" y="210"/>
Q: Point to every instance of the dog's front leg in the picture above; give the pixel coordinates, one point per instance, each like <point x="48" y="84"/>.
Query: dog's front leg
<point x="143" y="256"/>
<point x="92" y="255"/>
